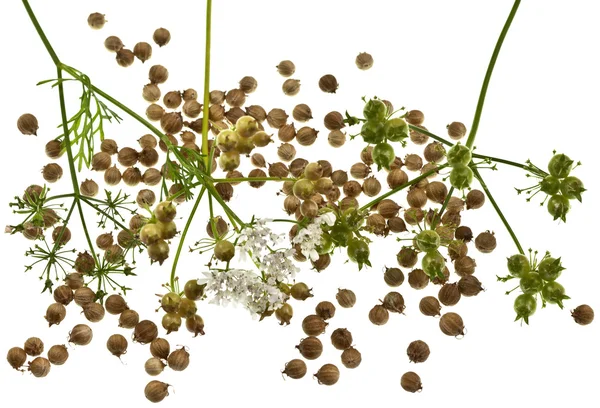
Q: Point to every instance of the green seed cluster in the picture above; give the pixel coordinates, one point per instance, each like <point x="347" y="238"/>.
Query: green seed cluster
<point x="560" y="186"/>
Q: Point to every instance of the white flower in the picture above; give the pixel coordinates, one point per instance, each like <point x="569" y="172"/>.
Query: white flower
<point x="310" y="237"/>
<point x="279" y="267"/>
<point x="256" y="238"/>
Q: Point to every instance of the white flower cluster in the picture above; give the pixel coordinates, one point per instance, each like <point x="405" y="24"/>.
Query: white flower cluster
<point x="310" y="237"/>
<point x="241" y="286"/>
<point x="257" y="238"/>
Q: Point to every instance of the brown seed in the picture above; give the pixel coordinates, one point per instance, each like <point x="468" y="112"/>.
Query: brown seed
<point x="436" y="191"/>
<point x="233" y="114"/>
<point x="295" y="369"/>
<point x="192" y="109"/>
<point x="172" y="99"/>
<point x="457" y="249"/>
<point x="339" y="177"/>
<point x="441" y="281"/>
<point x="415" y="117"/>
<point x="449" y="294"/>
<point x="154" y="366"/>
<point x="418" y="351"/>
<point x="359" y="170"/>
<point x="302" y="112"/>
<point x="33" y="346"/>
<point x="257" y="112"/>
<point x="158" y="74"/>
<point x="456" y="130"/>
<point x="145" y="198"/>
<point x="279" y="169"/>
<point x="336" y="138"/>
<point x="334" y="121"/>
<point x="413" y="162"/>
<point x="132" y="176"/>
<point x="74" y="280"/>
<point x="160" y="348"/>
<point x="376" y="224"/>
<point x="129" y="319"/>
<point x="81" y="335"/>
<point x="277" y="118"/>
<point x="113" y="43"/>
<point x="63" y="233"/>
<point x="101" y="161"/>
<point x="306" y="136"/>
<point x="328" y="374"/>
<point x="434" y="152"/>
<point x="310" y="348"/>
<point x="396" y="224"/>
<point x="248" y="84"/>
<point x="417" y="137"/>
<point x="583" y="315"/>
<point x="286" y="68"/>
<point x="115" y="304"/>
<point x="58" y="354"/>
<point x="411" y="382"/>
<point x="39" y="367"/>
<point x="156" y="391"/>
<point x="351" y="358"/>
<point x="217" y="97"/>
<point x="328" y="83"/>
<point x="407" y="257"/>
<point x="341" y="339"/>
<point x="145" y="331"/>
<point x="451" y="218"/>
<point x="388" y="208"/>
<point x="475" y="199"/>
<point x="416" y="198"/>
<point x="469" y="286"/>
<point x="112" y="176"/>
<point x="54" y="149"/>
<point x="452" y="324"/>
<point x="143" y="51"/>
<point x="16" y="357"/>
<point x="291" y="87"/>
<point x="161" y="36"/>
<point x="463" y="233"/>
<point x="179" y="359"/>
<point x="396" y="178"/>
<point x="325" y="310"/>
<point x="125" y="57"/>
<point x="84" y="296"/>
<point x="94" y="312"/>
<point x="195" y="325"/>
<point x="221" y="227"/>
<point x="394" y="277"/>
<point x="485" y="242"/>
<point x="117" y="345"/>
<point x="190" y="94"/>
<point x="63" y="295"/>
<point x="89" y="188"/>
<point x="465" y="266"/>
<point x="96" y="21"/>
<point x="346" y="298"/>
<point x="151" y="93"/>
<point x="313" y="325"/>
<point x="418" y="279"/>
<point x="55" y="313"/>
<point x="171" y="123"/>
<point x="364" y="61"/>
<point x="52" y="172"/>
<point x="430" y="306"/>
<point x="371" y="186"/>
<point x="394" y="302"/>
<point x="379" y="315"/>
<point x="151" y="177"/>
<point x="235" y="98"/>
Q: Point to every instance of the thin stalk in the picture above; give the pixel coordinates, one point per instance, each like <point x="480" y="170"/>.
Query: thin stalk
<point x="230" y="213"/>
<point x="95" y="207"/>
<point x="242" y="179"/>
<point x="503" y="161"/>
<point x="183" y="235"/>
<point x="437" y="219"/>
<point x="206" y="86"/>
<point x="431" y="135"/>
<point x="41" y="33"/>
<point x="213" y="227"/>
<point x="497" y="208"/>
<point x="488" y="74"/>
<point x="400" y="188"/>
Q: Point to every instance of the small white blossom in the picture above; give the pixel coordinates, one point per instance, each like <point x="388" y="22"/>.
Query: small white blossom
<point x="278" y="266"/>
<point x="310" y="237"/>
<point x="256" y="238"/>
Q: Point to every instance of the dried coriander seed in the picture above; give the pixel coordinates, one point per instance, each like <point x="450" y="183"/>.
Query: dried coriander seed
<point x="302" y="113"/>
<point x="55" y="313"/>
<point x="418" y="351"/>
<point x="39" y="367"/>
<point x="346" y="298"/>
<point x="143" y="51"/>
<point x="325" y="310"/>
<point x="415" y="117"/>
<point x="125" y="57"/>
<point x="161" y="36"/>
<point x="28" y="124"/>
<point x="351" y="358"/>
<point x="172" y="99"/>
<point x="129" y="319"/>
<point x="449" y="294"/>
<point x="81" y="335"/>
<point x="117" y="345"/>
<point x="291" y="87"/>
<point x="310" y="348"/>
<point x="430" y="306"/>
<point x="16" y="357"/>
<point x="52" y="172"/>
<point x="286" y="68"/>
<point x="456" y="130"/>
<point x="295" y="369"/>
<point x="411" y="382"/>
<point x="475" y="199"/>
<point x="464" y="266"/>
<point x="96" y="21"/>
<point x="33" y="346"/>
<point x="418" y="279"/>
<point x="451" y="324"/>
<point x="328" y="83"/>
<point x="583" y="315"/>
<point x="364" y="61"/>
<point x="328" y="374"/>
<point x="158" y="74"/>
<point x="151" y="93"/>
<point x="469" y="286"/>
<point x="156" y="391"/>
<point x="113" y="43"/>
<point x="58" y="354"/>
<point x="379" y="315"/>
<point x="54" y="149"/>
<point x="154" y="366"/>
<point x="94" y="312"/>
<point x="341" y="339"/>
<point x="179" y="359"/>
<point x="115" y="304"/>
<point x="485" y="242"/>
<point x="276" y="118"/>
<point x="145" y="331"/>
<point x="313" y="325"/>
<point x="394" y="302"/>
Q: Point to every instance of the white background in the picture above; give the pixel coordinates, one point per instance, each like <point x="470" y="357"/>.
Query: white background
<point x="429" y="55"/>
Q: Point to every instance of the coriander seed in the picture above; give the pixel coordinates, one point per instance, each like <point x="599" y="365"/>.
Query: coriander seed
<point x="143" y="51"/>
<point x="286" y="68"/>
<point x="28" y="124"/>
<point x="113" y="43"/>
<point x="161" y="36"/>
<point x="364" y="61"/>
<point x="328" y="83"/>
<point x="310" y="348"/>
<point x="351" y="358"/>
<point x="96" y="21"/>
<point x="58" y="354"/>
<point x="295" y="369"/>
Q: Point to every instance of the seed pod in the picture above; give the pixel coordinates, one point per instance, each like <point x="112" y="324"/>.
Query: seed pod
<point x="154" y="366"/>
<point x="279" y="169"/>
<point x="286" y="68"/>
<point x="187" y="308"/>
<point x="145" y="331"/>
<point x="346" y="298"/>
<point x="302" y="112"/>
<point x="125" y="57"/>
<point x="394" y="302"/>
<point x="117" y="345"/>
<point x="418" y="279"/>
<point x="430" y="306"/>
<point x="192" y="109"/>
<point x="113" y="254"/>
<point x="469" y="286"/>
<point x="129" y="319"/>
<point x="101" y="161"/>
<point x="456" y="130"/>
<point x="449" y="294"/>
<point x="452" y="324"/>
<point x="195" y="325"/>
<point x="295" y="369"/>
<point x="89" y="188"/>
<point x="328" y="374"/>
<point x="156" y="391"/>
<point x="94" y="312"/>
<point x="415" y="117"/>
<point x="96" y="21"/>
<point x="132" y="176"/>
<point x="485" y="242"/>
<point x="63" y="233"/>
<point x="413" y="162"/>
<point x="115" y="304"/>
<point x="33" y="346"/>
<point x="325" y="310"/>
<point x="457" y="249"/>
<point x="328" y="83"/>
<point x="179" y="359"/>
<point x="55" y="313"/>
<point x="39" y="367"/>
<point x="190" y="94"/>
<point x="341" y="339"/>
<point x="58" y="354"/>
<point x="310" y="348"/>
<point x="313" y="325"/>
<point x="158" y="74"/>
<point x="416" y="198"/>
<point x="143" y="51"/>
<point x="475" y="199"/>
<point x="396" y="178"/>
<point x="465" y="266"/>
<point x="418" y="351"/>
<point x="583" y="315"/>
<point x="336" y="138"/>
<point x="364" y="61"/>
<point x="16" y="357"/>
<point x="339" y="177"/>
<point x="411" y="382"/>
<point x="160" y="348"/>
<point x="359" y="170"/>
<point x="113" y="43"/>
<point x="379" y="315"/>
<point x="81" y="335"/>
<point x="291" y="87"/>
<point x="154" y="112"/>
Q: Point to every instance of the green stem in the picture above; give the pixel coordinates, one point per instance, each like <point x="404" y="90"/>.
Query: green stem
<point x="230" y="213"/>
<point x="431" y="135"/>
<point x="488" y="74"/>
<point x="241" y="179"/>
<point x="58" y="197"/>
<point x="205" y="115"/>
<point x="497" y="208"/>
<point x="402" y="187"/>
<point x="503" y="161"/>
<point x="437" y="219"/>
<point x="95" y="207"/>
<point x="183" y="235"/>
<point x="41" y="33"/>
